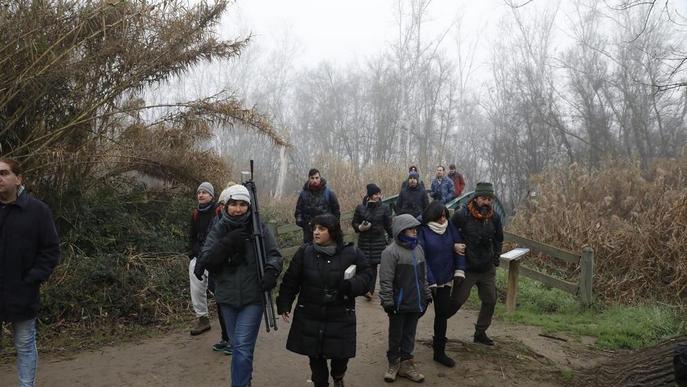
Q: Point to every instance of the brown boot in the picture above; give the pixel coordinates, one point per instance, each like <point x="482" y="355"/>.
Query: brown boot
<point x="202" y="325"/>
<point x="407" y="370"/>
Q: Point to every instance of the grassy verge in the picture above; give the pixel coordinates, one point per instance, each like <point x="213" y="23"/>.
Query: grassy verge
<point x="613" y="326"/>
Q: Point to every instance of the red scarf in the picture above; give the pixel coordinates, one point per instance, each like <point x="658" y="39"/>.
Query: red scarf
<point x="474" y="211"/>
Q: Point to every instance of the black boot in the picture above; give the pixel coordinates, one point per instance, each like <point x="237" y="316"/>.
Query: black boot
<point x="338" y="382"/>
<point x="439" y="345"/>
<point x="482" y="338"/>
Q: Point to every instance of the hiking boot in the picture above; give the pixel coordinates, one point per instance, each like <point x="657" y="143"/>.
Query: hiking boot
<point x="439" y="346"/>
<point x="482" y="338"/>
<point x="220" y="346"/>
<point x="338" y="382"/>
<point x="368" y="296"/>
<point x="407" y="370"/>
<point x="391" y="373"/>
<point x="202" y="325"/>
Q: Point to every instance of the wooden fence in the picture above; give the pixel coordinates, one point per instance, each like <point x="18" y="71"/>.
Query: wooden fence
<point x="582" y="289"/>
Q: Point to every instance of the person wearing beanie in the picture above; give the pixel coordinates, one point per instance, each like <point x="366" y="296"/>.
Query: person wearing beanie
<point x="229" y="256"/>
<point x="413" y="198"/>
<point x="412" y="170"/>
<point x="404" y="294"/>
<point x="201" y="219"/>
<point x="316" y="198"/>
<point x="442" y="187"/>
<point x="372" y="220"/>
<point x="483" y="233"/>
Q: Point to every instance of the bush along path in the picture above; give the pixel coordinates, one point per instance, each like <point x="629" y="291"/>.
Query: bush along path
<point x="523" y="356"/>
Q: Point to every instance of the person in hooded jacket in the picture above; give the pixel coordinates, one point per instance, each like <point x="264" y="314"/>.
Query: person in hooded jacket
<point x="324" y="323"/>
<point x="444" y="249"/>
<point x="229" y="256"/>
<point x="372" y="221"/>
<point x="315" y="199"/>
<point x="413" y="198"/>
<point x="404" y="294"/>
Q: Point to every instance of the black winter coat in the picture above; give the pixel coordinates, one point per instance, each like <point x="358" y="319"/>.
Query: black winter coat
<point x="201" y="222"/>
<point x="324" y="321"/>
<point x="483" y="240"/>
<point x="312" y="203"/>
<point x="373" y="241"/>
<point x="412" y="201"/>
<point x="29" y="251"/>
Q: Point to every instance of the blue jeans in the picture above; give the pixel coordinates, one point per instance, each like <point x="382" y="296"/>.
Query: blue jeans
<point x="27" y="355"/>
<point x="243" y="324"/>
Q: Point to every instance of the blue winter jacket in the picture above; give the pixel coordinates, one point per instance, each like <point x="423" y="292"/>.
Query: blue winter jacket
<point x="442" y="261"/>
<point x="445" y="188"/>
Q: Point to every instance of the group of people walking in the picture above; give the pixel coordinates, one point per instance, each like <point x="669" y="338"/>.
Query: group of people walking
<point x="424" y="256"/>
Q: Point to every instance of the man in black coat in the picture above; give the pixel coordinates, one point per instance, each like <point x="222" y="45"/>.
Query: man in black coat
<point x="482" y="231"/>
<point x="413" y="198"/>
<point x="29" y="251"/>
<point x="315" y="199"/>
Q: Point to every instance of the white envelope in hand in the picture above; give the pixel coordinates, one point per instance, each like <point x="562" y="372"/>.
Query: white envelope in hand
<point x="350" y="272"/>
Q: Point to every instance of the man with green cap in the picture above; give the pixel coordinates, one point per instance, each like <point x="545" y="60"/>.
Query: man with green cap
<point x="482" y="231"/>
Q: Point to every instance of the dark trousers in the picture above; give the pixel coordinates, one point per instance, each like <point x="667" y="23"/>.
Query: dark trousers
<point x="320" y="372"/>
<point x="444" y="308"/>
<point x="486" y="289"/>
<point x="373" y="266"/>
<point x="220" y="317"/>
<point x="402" y="327"/>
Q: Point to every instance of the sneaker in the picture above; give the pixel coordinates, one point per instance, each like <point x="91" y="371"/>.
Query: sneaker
<point x="391" y="373"/>
<point x="202" y="325"/>
<point x="220" y="346"/>
<point x="407" y="370"/>
<point x="228" y="350"/>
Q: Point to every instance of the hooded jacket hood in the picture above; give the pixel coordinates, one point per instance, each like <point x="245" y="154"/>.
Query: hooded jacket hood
<point x="402" y="222"/>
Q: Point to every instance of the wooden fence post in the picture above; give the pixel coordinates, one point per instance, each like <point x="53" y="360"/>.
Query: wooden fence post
<point x="512" y="291"/>
<point x="586" y="276"/>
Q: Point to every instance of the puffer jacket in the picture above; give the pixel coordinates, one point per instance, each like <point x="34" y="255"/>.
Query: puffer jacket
<point x="412" y="201"/>
<point x="236" y="280"/>
<point x="312" y="203"/>
<point x="443" y="262"/>
<point x="403" y="272"/>
<point x="373" y="241"/>
<point x="443" y="189"/>
<point x="324" y="322"/>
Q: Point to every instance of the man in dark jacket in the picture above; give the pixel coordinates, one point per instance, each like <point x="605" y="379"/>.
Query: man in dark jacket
<point x="372" y="220"/>
<point x="29" y="251"/>
<point x="413" y="198"/>
<point x="483" y="233"/>
<point x="201" y="218"/>
<point x="315" y="199"/>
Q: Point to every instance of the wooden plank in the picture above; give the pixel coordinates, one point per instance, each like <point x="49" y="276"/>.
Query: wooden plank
<point x="586" y="276"/>
<point x="546" y="279"/>
<point x="539" y="247"/>
<point x="515" y="254"/>
<point x="512" y="290"/>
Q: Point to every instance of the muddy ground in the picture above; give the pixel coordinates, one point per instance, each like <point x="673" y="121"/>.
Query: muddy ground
<point x="521" y="357"/>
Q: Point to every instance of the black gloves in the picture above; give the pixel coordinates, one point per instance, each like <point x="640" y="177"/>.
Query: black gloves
<point x="269" y="279"/>
<point x="389" y="309"/>
<point x="198" y="271"/>
<point x="345" y="288"/>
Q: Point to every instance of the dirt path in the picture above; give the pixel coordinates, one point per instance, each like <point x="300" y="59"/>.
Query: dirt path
<point x="520" y="358"/>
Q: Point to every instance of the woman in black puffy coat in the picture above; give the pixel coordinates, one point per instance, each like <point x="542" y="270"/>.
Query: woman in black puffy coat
<point x="372" y="222"/>
<point x="324" y="324"/>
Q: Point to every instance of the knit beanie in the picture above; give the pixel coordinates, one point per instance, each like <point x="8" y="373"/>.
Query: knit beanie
<point x="207" y="187"/>
<point x="372" y="189"/>
<point x="237" y="192"/>
<point x="414" y="175"/>
<point x="484" y="189"/>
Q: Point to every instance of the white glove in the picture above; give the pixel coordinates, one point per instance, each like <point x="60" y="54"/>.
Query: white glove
<point x="364" y="226"/>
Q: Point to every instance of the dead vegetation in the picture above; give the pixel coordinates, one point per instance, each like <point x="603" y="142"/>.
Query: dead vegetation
<point x="635" y="221"/>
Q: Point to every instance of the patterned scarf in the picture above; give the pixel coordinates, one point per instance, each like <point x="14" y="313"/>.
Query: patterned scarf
<point x="479" y="215"/>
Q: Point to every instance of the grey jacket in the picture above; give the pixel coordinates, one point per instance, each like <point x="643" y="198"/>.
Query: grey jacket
<point x="403" y="272"/>
<point x="236" y="282"/>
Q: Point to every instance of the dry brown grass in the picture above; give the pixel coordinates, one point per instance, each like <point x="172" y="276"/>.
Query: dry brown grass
<point x="635" y="221"/>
